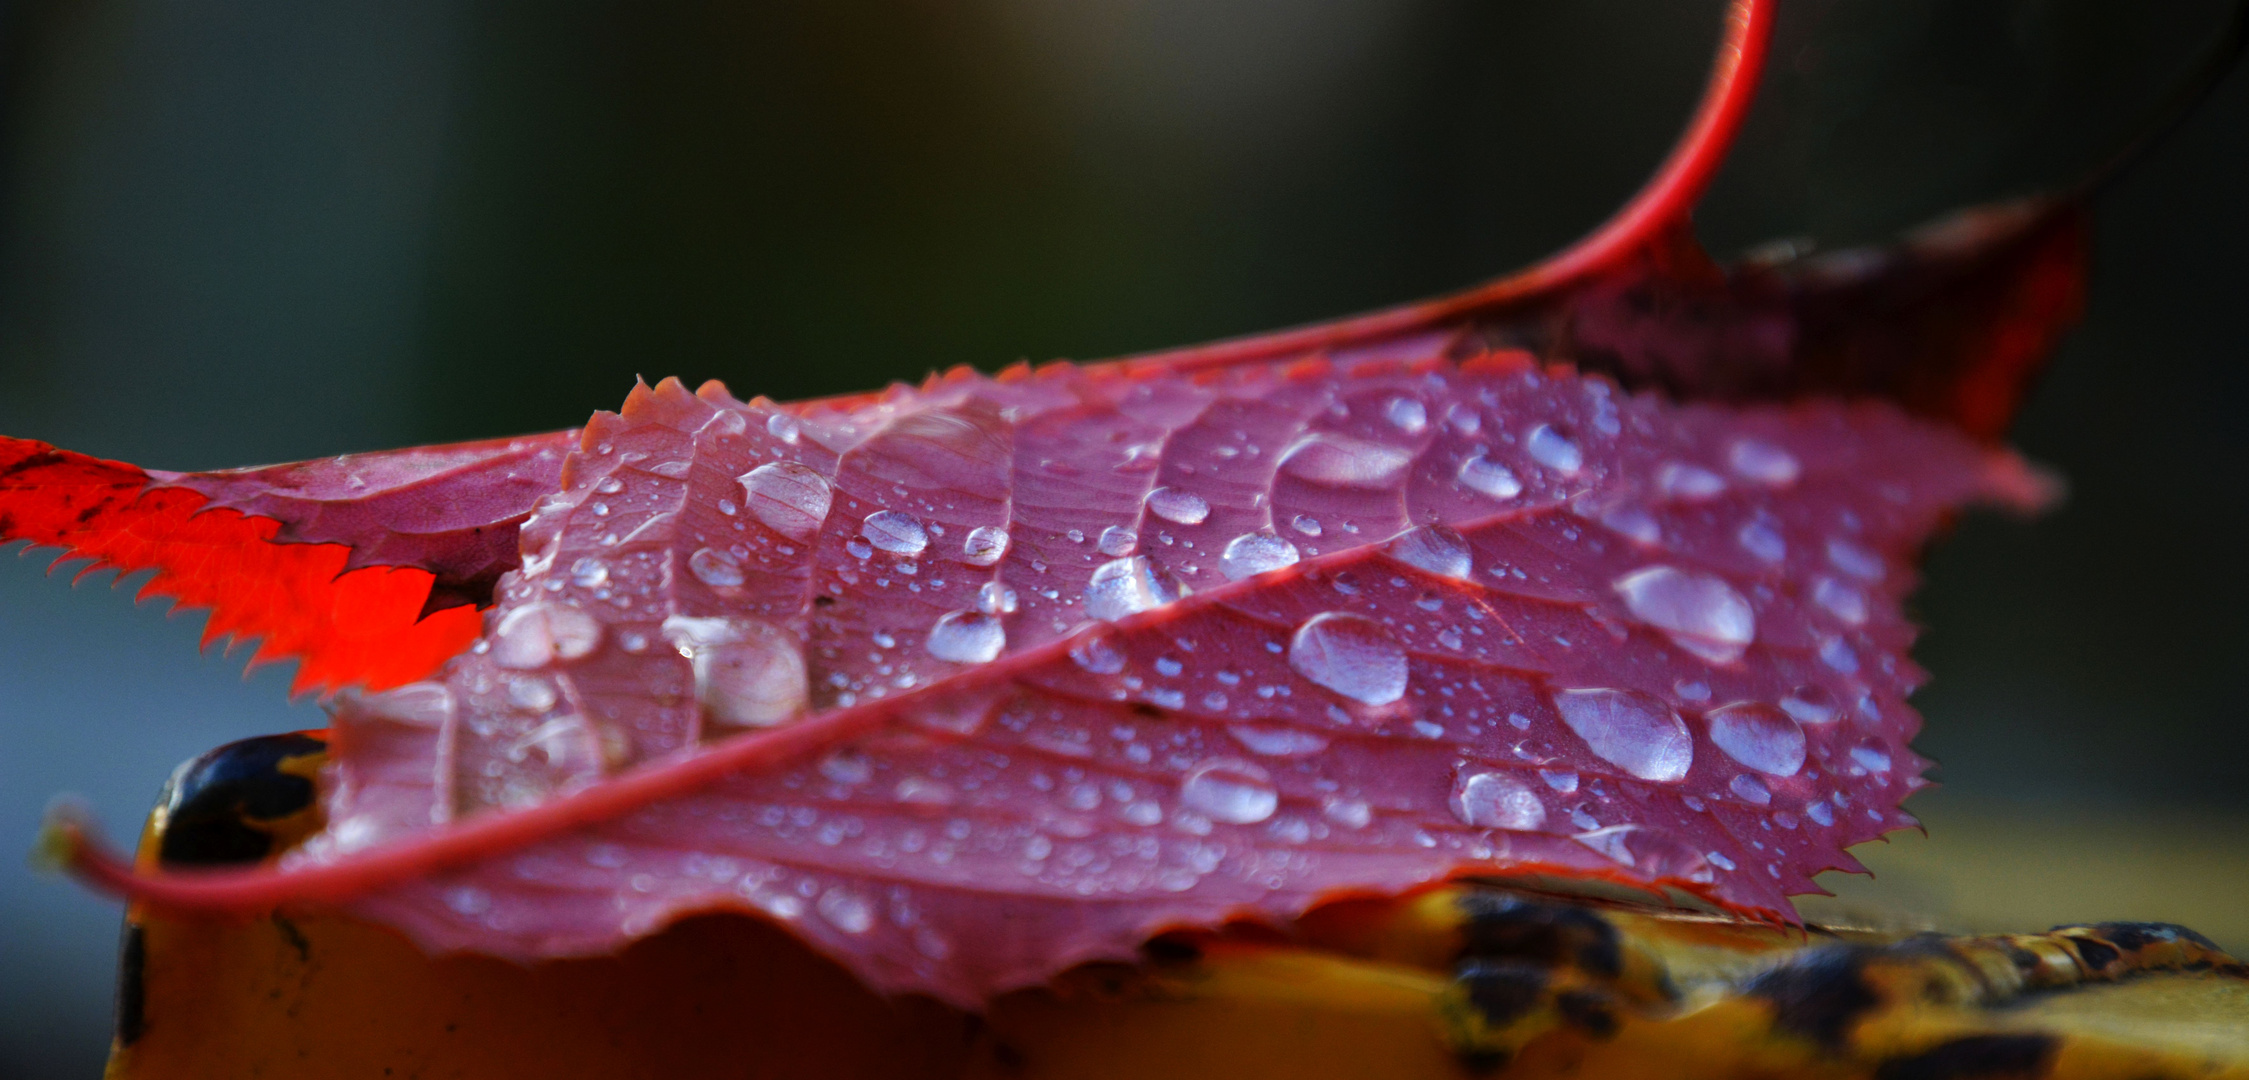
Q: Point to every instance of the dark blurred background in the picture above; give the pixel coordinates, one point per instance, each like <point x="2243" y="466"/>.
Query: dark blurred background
<point x="254" y="231"/>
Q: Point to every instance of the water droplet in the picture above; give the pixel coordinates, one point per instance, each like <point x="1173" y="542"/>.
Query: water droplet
<point x="789" y="498"/>
<point x="538" y="634"/>
<point x="1351" y="655"/>
<point x="1837" y="654"/>
<point x="716" y="569"/>
<point x="1407" y="414"/>
<point x="985" y="545"/>
<point x="1278" y="740"/>
<point x="1681" y="482"/>
<point x="589" y="573"/>
<point x="1483" y="474"/>
<point x="1629" y="729"/>
<point x="1759" y="736"/>
<point x="1118" y="541"/>
<point x="1562" y="780"/>
<point x="1230" y="791"/>
<point x="1255" y="553"/>
<point x="1306" y="524"/>
<point x="1759" y="538"/>
<point x="747" y="673"/>
<point x="1341" y="461"/>
<point x="967" y="637"/>
<point x="1872" y="756"/>
<point x="1349" y="813"/>
<point x="1763" y="462"/>
<point x="1435" y="548"/>
<point x="847" y="766"/>
<point x="1495" y="800"/>
<point x="1128" y="586"/>
<point x="609" y="485"/>
<point x="1810" y="704"/>
<point x="1174" y="505"/>
<point x="899" y="534"/>
<point x="1751" y="789"/>
<point x="1634" y="524"/>
<point x="1701" y="614"/>
<point x="996" y="598"/>
<point x="784" y="427"/>
<point x="532" y="694"/>
<point x="1554" y="450"/>
<point x="1096" y="653"/>
<point x="846" y="911"/>
<point x="1840" y="600"/>
<point x="1854" y="560"/>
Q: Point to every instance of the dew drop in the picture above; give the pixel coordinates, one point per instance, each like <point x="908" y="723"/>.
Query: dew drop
<point x="967" y="637"/>
<point x="1255" y="553"/>
<point x="1840" y="600"/>
<point x="1341" y="461"/>
<point x="1554" y="450"/>
<point x="716" y="569"/>
<point x="1810" y="704"/>
<point x="1181" y="507"/>
<point x="1097" y="654"/>
<point x="1230" y="791"/>
<point x="1759" y="538"/>
<point x="1128" y="586"/>
<point x="1407" y="414"/>
<point x="1681" y="482"/>
<point x="1837" y="654"/>
<point x="1351" y="655"/>
<point x="1118" y="541"/>
<point x="1349" y="813"/>
<point x="985" y="545"/>
<point x="747" y="673"/>
<point x="1755" y="459"/>
<point x="848" y="767"/>
<point x="1821" y="813"/>
<point x="1435" y="548"/>
<point x="531" y="694"/>
<point x="996" y="598"/>
<point x="1872" y="756"/>
<point x="1629" y="729"/>
<point x="899" y="534"/>
<point x="789" y="498"/>
<point x="1634" y="524"/>
<point x="1484" y="475"/>
<point x="1854" y="560"/>
<point x="784" y="427"/>
<point x="846" y="911"/>
<point x="1759" y="736"/>
<point x="1701" y="613"/>
<point x="609" y="485"/>
<point x="1494" y="800"/>
<point x="539" y="634"/>
<point x="589" y="573"/>
<point x="1278" y="740"/>
<point x="1306" y="524"/>
<point x="1751" y="789"/>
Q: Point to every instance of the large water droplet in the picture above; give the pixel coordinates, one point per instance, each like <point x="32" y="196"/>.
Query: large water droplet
<point x="1496" y="800"/>
<point x="1681" y="482"/>
<point x="1278" y="740"/>
<point x="1230" y="791"/>
<point x="1255" y="553"/>
<point x="899" y="534"/>
<point x="1634" y="731"/>
<point x="747" y="673"/>
<point x="789" y="498"/>
<point x="1554" y="450"/>
<point x="985" y="545"/>
<point x="1341" y="461"/>
<point x="715" y="568"/>
<point x="967" y="637"/>
<point x="1118" y="541"/>
<point x="1127" y="586"/>
<point x="1351" y="655"/>
<point x="1435" y="548"/>
<point x="1702" y="614"/>
<point x="1482" y="474"/>
<point x="1763" y="462"/>
<point x="1174" y="505"/>
<point x="1759" y="736"/>
<point x="1407" y="414"/>
<point x="539" y="634"/>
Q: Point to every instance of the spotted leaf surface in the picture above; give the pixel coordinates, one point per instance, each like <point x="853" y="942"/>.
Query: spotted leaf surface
<point x="1071" y="656"/>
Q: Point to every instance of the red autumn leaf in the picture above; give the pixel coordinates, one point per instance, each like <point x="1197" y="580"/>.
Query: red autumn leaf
<point x="974" y="681"/>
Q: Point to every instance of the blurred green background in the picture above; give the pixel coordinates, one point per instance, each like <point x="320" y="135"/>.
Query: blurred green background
<point x="242" y="232"/>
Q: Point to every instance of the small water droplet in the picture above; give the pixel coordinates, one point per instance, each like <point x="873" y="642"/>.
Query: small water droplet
<point x="967" y="637"/>
<point x="1759" y="736"/>
<point x="1118" y="541"/>
<point x="1181" y="507"/>
<point x="996" y="598"/>
<point x="1759" y="538"/>
<point x="1562" y="780"/>
<point x="589" y="573"/>
<point x="1634" y="524"/>
<point x="531" y="694"/>
<point x="1681" y="482"/>
<point x="847" y="766"/>
<point x="846" y="911"/>
<point x="985" y="545"/>
<point x="538" y="634"/>
<point x="784" y="427"/>
<point x="894" y="532"/>
<point x="1699" y="612"/>
<point x="1494" y="800"/>
<point x="1631" y="730"/>
<point x="727" y="507"/>
<point x="1128" y="586"/>
<point x="1854" y="560"/>
<point x="1751" y="789"/>
<point x="1435" y="548"/>
<point x="1096" y="653"/>
<point x="1349" y="813"/>
<point x="1811" y="704"/>
<point x="1554" y="450"/>
<point x="1255" y="553"/>
<point x="1278" y="740"/>
<point x="1341" y="461"/>
<point x="747" y="673"/>
<point x="1872" y="756"/>
<point x="1351" y="655"/>
<point x="789" y="498"/>
<point x="1837" y="654"/>
<point x="1491" y="478"/>
<point x="1763" y="462"/>
<point x="1306" y="524"/>
<point x="609" y="485"/>
<point x="716" y="569"/>
<point x="1840" y="600"/>
<point x="1230" y="791"/>
<point x="1407" y="414"/>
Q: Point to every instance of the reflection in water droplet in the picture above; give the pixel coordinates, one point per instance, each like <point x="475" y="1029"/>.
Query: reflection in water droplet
<point x="1435" y="548"/>
<point x="1407" y="414"/>
<point x="1763" y="462"/>
<point x="1128" y="586"/>
<point x="1701" y="613"/>
<point x="1230" y="791"/>
<point x="715" y="568"/>
<point x="1810" y="704"/>
<point x="1759" y="736"/>
<point x="1182" y="507"/>
<point x="1854" y="560"/>
<point x="1278" y="740"/>
<point x="1495" y="800"/>
<point x="1351" y="655"/>
<point x="899" y="534"/>
<point x="1482" y="474"/>
<point x="1681" y="482"/>
<point x="538" y="634"/>
<point x="1118" y="541"/>
<point x="1341" y="461"/>
<point x="996" y="598"/>
<point x="1751" y="789"/>
<point x="789" y="498"/>
<point x="1759" y="538"/>
<point x="747" y="673"/>
<point x="1634" y="731"/>
<point x="985" y="545"/>
<point x="967" y="637"/>
<point x="1255" y="553"/>
<point x="1554" y="450"/>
